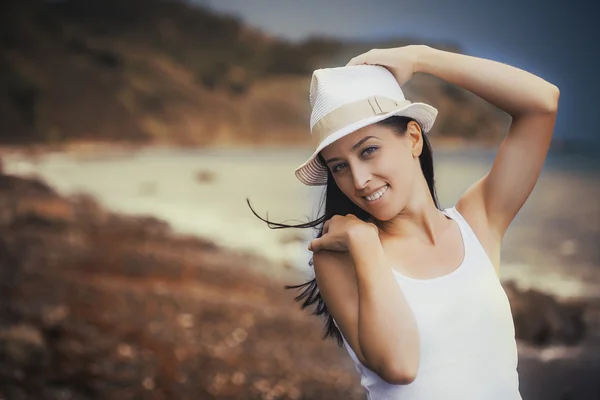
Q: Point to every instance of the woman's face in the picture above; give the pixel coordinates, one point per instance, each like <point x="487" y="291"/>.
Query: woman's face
<point x="373" y="159"/>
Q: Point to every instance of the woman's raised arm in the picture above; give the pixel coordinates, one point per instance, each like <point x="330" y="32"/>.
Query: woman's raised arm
<point x="531" y="101"/>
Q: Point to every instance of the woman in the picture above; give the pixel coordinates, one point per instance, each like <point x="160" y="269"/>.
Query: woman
<point x="411" y="290"/>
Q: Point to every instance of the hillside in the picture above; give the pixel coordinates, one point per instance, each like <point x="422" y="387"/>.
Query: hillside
<point x="160" y="71"/>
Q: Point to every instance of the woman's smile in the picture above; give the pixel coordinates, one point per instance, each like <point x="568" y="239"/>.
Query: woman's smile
<point x="377" y="196"/>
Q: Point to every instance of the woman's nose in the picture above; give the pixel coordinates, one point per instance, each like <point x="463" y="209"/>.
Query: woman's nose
<point x="361" y="177"/>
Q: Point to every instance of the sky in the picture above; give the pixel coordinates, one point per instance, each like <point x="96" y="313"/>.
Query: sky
<point x="556" y="40"/>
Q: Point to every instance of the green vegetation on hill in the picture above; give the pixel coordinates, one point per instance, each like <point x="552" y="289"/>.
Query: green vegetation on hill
<point x="164" y="71"/>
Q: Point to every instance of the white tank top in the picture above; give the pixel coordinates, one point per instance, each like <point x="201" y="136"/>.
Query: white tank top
<point x="468" y="347"/>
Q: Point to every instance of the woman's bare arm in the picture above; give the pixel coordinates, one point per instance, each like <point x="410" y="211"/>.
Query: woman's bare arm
<point x="532" y="102"/>
<point x="369" y="307"/>
<point x="492" y="202"/>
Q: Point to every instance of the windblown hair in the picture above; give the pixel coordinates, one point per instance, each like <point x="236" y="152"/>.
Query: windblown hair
<point x="337" y="203"/>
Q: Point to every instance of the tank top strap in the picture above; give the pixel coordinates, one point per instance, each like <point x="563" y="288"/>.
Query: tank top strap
<point x="453" y="213"/>
<point x="473" y="243"/>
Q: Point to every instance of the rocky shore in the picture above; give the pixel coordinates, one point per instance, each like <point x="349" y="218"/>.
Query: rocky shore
<point x="97" y="305"/>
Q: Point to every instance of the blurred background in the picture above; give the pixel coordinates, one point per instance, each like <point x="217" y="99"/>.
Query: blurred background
<point x="133" y="132"/>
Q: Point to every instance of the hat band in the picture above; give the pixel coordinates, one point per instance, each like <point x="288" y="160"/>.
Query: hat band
<point x="354" y="112"/>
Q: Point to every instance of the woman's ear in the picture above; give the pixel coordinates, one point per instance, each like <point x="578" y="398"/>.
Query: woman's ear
<point x="415" y="135"/>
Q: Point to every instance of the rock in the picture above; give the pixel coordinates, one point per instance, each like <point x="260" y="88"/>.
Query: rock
<point x="186" y="320"/>
<point x="21" y="187"/>
<point x="31" y="201"/>
<point x="22" y="345"/>
<point x="52" y="316"/>
<point x="541" y="320"/>
<point x="49" y="211"/>
<point x="205" y="176"/>
<point x="24" y="358"/>
<point x="88" y="211"/>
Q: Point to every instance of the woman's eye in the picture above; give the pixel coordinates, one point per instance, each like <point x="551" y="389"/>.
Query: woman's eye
<point x="368" y="151"/>
<point x="372" y="148"/>
<point x="335" y="167"/>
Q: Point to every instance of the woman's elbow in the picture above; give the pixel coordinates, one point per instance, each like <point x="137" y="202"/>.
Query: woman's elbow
<point x="396" y="375"/>
<point x="552" y="100"/>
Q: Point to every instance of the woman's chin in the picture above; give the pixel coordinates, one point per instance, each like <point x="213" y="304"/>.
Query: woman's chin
<point x="381" y="215"/>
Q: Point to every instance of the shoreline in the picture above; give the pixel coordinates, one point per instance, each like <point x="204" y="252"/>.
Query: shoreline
<point x="102" y="146"/>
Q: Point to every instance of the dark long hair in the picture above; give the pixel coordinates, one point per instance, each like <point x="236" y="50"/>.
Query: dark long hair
<point x="337" y="203"/>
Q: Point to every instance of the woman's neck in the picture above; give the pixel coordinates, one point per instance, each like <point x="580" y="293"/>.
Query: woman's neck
<point x="420" y="219"/>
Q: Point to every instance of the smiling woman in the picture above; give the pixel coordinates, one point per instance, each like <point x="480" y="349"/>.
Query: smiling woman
<point x="412" y="290"/>
<point x="335" y="202"/>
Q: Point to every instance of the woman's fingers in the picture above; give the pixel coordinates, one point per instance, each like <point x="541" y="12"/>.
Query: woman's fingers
<point x="358" y="60"/>
<point x="326" y="226"/>
<point x="364" y="58"/>
<point x="316" y="244"/>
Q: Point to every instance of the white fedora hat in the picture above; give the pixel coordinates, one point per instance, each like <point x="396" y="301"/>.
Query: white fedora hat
<point x="346" y="99"/>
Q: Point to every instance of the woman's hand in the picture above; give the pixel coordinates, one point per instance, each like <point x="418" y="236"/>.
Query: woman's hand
<point x="401" y="61"/>
<point x="336" y="233"/>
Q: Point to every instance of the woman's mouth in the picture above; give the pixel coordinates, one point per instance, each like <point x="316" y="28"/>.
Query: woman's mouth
<point x="375" y="197"/>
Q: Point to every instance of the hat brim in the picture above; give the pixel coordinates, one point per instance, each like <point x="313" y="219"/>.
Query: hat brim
<point x="313" y="173"/>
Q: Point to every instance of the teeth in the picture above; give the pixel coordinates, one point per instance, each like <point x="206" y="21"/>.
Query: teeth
<point x="377" y="194"/>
